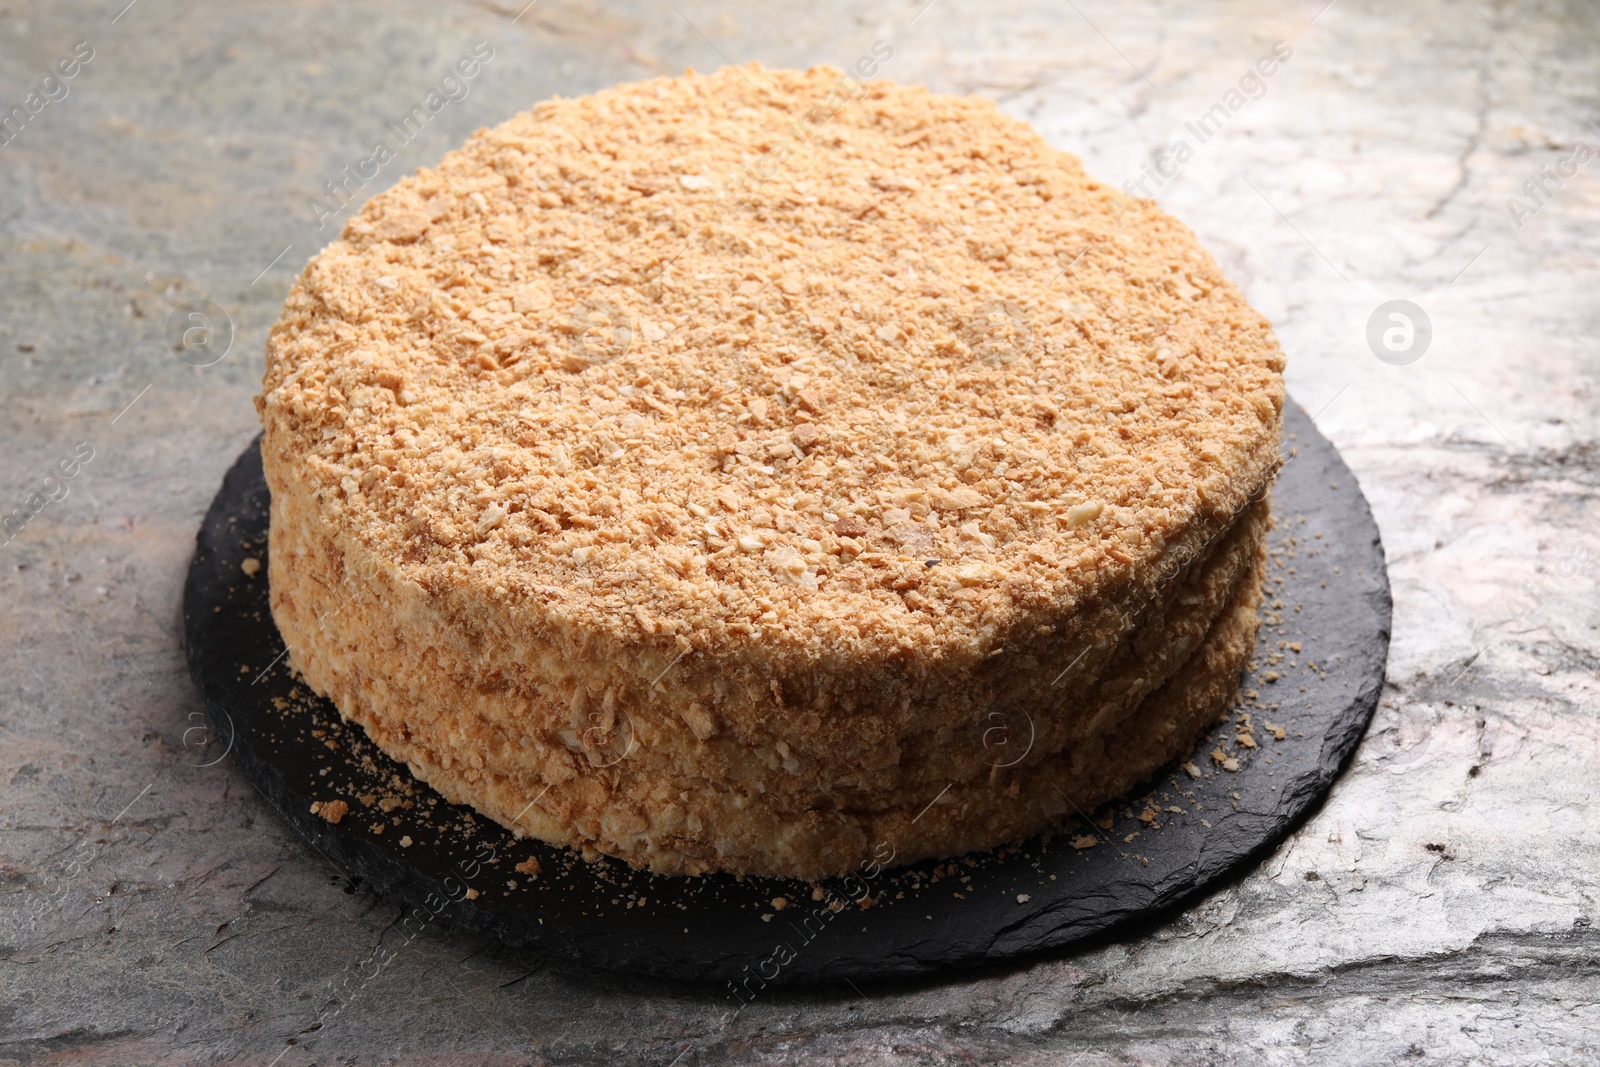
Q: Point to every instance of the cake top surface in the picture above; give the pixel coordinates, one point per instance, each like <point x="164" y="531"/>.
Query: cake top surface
<point x="770" y="358"/>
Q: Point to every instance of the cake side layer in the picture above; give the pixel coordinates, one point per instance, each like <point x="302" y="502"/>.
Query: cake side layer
<point x="633" y="783"/>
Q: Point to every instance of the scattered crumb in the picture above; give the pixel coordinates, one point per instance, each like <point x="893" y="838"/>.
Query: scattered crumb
<point x="405" y="842"/>
<point x="251" y="566"/>
<point x="779" y="903"/>
<point x="333" y="810"/>
<point x="1191" y="770"/>
<point x="472" y="894"/>
<point x="529" y="867"/>
<point x="1023" y="898"/>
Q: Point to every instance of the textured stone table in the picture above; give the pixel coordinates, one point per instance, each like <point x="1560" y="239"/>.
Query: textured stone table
<point x="1441" y="906"/>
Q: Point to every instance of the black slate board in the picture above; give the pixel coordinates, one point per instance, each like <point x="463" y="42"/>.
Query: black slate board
<point x="1329" y="595"/>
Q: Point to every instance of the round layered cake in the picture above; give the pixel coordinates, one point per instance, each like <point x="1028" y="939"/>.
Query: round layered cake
<point x="765" y="471"/>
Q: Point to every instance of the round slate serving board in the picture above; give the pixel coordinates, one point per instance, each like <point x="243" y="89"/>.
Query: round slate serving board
<point x="1315" y="681"/>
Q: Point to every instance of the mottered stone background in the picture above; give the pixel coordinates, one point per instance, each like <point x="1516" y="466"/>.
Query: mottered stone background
<point x="1439" y="908"/>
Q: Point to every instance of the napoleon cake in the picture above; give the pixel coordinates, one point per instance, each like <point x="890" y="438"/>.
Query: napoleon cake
<point x="764" y="471"/>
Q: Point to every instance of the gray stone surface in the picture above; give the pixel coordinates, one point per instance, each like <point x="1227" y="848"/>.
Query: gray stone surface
<point x="1440" y="908"/>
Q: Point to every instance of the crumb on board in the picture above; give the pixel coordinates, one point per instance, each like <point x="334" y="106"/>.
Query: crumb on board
<point x="251" y="566"/>
<point x="529" y="867"/>
<point x="332" y="810"/>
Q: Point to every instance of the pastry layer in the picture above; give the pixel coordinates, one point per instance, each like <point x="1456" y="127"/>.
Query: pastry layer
<point x="626" y="771"/>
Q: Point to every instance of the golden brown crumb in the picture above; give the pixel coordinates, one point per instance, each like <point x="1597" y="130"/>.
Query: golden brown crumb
<point x="332" y="810"/>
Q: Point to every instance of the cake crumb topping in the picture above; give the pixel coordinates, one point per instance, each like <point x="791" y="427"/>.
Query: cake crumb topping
<point x="577" y="364"/>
